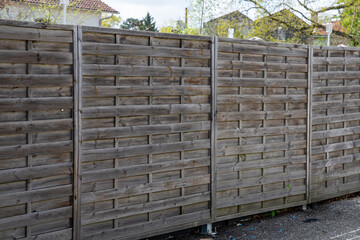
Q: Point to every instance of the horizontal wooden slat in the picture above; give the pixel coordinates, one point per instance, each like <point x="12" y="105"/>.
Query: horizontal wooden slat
<point x="151" y="51"/>
<point x="132" y="190"/>
<point x="134" y="229"/>
<point x="35" y="57"/>
<point x="336" y="60"/>
<point x="35" y="195"/>
<point x="141" y="208"/>
<point x="252" y="132"/>
<point x="269" y="162"/>
<point x="260" y="82"/>
<point x="261" y="66"/>
<point x="335" y="175"/>
<point x="335" y="147"/>
<point x="109" y="91"/>
<point x="152" y="71"/>
<point x="64" y="234"/>
<point x="35" y="34"/>
<point x="233" y="99"/>
<point x="329" y="162"/>
<point x="251" y="48"/>
<point x="335" y="75"/>
<point x="258" y="181"/>
<point x="36" y="80"/>
<point x="335" y="104"/>
<point x="36" y="126"/>
<point x="35" y="218"/>
<point x="123" y="172"/>
<point x="335" y="132"/>
<point x="110" y="153"/>
<point x="256" y="148"/>
<point x="19" y="174"/>
<point x="336" y="89"/>
<point x="103" y="133"/>
<point x="336" y="118"/>
<point x="39" y="148"/>
<point x="259" y="197"/>
<point x="261" y="115"/>
<point x="13" y="104"/>
<point x="138" y="110"/>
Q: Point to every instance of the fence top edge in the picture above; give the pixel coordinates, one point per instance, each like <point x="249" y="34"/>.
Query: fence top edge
<point x="336" y="48"/>
<point x="263" y="43"/>
<point x="14" y="23"/>
<point x="144" y="33"/>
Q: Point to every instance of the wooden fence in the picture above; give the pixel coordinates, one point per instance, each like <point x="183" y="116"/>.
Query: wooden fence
<point x="113" y="134"/>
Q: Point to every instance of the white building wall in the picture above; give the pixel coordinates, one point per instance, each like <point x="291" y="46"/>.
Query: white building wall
<point x="31" y="12"/>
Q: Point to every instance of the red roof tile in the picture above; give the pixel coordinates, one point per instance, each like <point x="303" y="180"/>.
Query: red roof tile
<point x="82" y="4"/>
<point x="336" y="26"/>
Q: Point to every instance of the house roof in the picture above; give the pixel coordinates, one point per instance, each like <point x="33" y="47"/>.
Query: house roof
<point x="289" y="16"/>
<point x="95" y="5"/>
<point x="336" y="26"/>
<point x="234" y="14"/>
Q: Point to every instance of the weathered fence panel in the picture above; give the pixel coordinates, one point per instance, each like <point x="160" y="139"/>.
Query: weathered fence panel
<point x="335" y="159"/>
<point x="261" y="127"/>
<point x="146" y="104"/>
<point x="36" y="131"/>
<point x="114" y="134"/>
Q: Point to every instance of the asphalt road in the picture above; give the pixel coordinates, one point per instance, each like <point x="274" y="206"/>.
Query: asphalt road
<point x="333" y="220"/>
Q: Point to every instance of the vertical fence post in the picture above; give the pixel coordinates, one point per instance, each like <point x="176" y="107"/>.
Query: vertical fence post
<point x="309" y="126"/>
<point x="77" y="132"/>
<point x="214" y="49"/>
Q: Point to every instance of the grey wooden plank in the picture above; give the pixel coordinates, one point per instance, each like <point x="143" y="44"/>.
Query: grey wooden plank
<point x="231" y="99"/>
<point x="258" y="197"/>
<point x="20" y="174"/>
<point x="24" y="33"/>
<point x="261" y="131"/>
<point x="336" y="60"/>
<point x="138" y="110"/>
<point x="261" y="66"/>
<point x="266" y="163"/>
<point x="39" y="148"/>
<point x="13" y="104"/>
<point x="258" y="181"/>
<point x="133" y="131"/>
<point x="36" y="126"/>
<point x="35" y="218"/>
<point x="329" y="162"/>
<point x="153" y="71"/>
<point x="142" y="208"/>
<point x="35" y="195"/>
<point x="102" y="154"/>
<point x="335" y="147"/>
<point x="336" y="118"/>
<point x="35" y="57"/>
<point x="335" y="104"/>
<point x="106" y="91"/>
<point x="259" y="115"/>
<point x="136" y="50"/>
<point x="64" y="234"/>
<point x="124" y="172"/>
<point x="335" y="132"/>
<point x="256" y="148"/>
<point x="309" y="122"/>
<point x="260" y="82"/>
<point x="335" y="75"/>
<point x="36" y="80"/>
<point x="126" y="191"/>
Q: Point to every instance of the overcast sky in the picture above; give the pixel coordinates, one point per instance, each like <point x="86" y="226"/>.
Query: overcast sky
<point x="162" y="10"/>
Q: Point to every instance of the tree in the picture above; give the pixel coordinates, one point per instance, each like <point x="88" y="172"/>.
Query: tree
<point x="145" y="24"/>
<point x="308" y="10"/>
<point x="180" y="28"/>
<point x="148" y="23"/>
<point x="111" y="21"/>
<point x="350" y="19"/>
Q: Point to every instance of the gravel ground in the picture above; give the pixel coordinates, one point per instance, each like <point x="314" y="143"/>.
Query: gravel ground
<point x="334" y="220"/>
